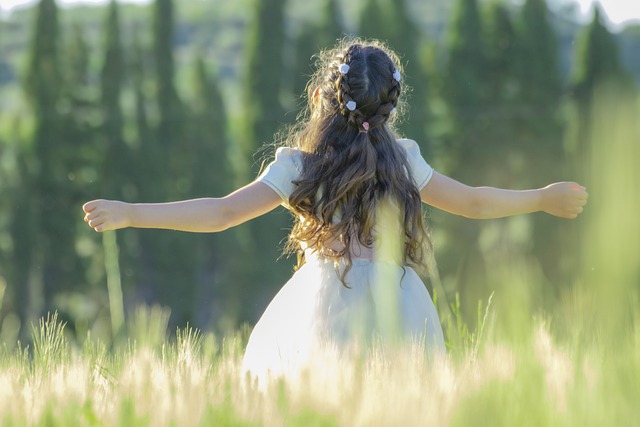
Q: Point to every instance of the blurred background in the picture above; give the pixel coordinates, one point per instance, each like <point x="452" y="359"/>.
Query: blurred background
<point x="159" y="101"/>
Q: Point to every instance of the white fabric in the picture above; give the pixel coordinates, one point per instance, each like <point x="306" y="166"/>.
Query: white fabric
<point x="284" y="169"/>
<point x="314" y="312"/>
<point x="287" y="167"/>
<point x="421" y="171"/>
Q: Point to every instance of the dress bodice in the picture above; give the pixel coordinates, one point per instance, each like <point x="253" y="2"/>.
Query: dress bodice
<point x="286" y="168"/>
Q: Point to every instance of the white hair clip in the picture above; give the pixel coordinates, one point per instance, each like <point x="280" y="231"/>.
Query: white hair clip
<point x="343" y="68"/>
<point x="351" y="105"/>
<point x="393" y="110"/>
<point x="396" y="75"/>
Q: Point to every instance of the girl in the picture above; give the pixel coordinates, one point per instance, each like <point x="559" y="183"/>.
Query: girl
<point x="340" y="164"/>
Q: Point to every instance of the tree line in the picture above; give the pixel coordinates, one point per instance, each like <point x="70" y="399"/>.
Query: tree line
<point x="489" y="106"/>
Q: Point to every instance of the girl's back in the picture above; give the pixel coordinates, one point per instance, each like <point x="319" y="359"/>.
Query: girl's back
<point x="350" y="159"/>
<point x="344" y="165"/>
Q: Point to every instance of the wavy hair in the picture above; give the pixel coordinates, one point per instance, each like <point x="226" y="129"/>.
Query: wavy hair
<point x="351" y="158"/>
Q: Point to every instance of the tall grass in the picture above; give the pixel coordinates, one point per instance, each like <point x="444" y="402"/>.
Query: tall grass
<point x="576" y="365"/>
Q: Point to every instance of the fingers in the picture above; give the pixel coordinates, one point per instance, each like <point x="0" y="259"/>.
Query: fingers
<point x="90" y="206"/>
<point x="580" y="189"/>
<point x="572" y="213"/>
<point x="93" y="215"/>
<point x="95" y="223"/>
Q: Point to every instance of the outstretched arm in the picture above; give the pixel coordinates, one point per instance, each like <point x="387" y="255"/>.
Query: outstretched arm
<point x="563" y="199"/>
<point x="197" y="215"/>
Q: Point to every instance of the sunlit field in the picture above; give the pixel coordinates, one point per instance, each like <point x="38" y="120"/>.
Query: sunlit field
<point x="577" y="364"/>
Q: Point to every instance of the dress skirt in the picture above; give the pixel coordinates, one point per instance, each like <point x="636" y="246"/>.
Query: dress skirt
<point x="314" y="312"/>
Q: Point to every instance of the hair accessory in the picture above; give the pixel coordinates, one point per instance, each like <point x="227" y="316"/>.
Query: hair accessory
<point x="396" y="75"/>
<point x="351" y="105"/>
<point x="343" y="68"/>
<point x="365" y="126"/>
<point x="393" y="110"/>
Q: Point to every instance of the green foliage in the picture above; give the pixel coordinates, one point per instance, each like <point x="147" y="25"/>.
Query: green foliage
<point x="538" y="65"/>
<point x="501" y="55"/>
<point x="598" y="59"/>
<point x="264" y="77"/>
<point x="466" y="67"/>
<point x="261" y="97"/>
<point x="597" y="65"/>
<point x="43" y="73"/>
<point x="117" y="102"/>
<point x="372" y="22"/>
<point x="401" y="32"/>
<point x="313" y="38"/>
<point x="112" y="77"/>
<point x="50" y="346"/>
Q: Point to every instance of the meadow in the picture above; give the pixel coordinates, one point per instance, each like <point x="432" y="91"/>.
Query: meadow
<point x="576" y="364"/>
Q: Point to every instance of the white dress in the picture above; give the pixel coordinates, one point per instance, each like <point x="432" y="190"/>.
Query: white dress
<point x="314" y="312"/>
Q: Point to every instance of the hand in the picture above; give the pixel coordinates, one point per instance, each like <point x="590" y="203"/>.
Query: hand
<point x="103" y="215"/>
<point x="564" y="199"/>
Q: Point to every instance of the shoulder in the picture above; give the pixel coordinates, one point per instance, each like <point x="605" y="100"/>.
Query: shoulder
<point x="409" y="145"/>
<point x="420" y="170"/>
<point x="282" y="171"/>
<point x="289" y="156"/>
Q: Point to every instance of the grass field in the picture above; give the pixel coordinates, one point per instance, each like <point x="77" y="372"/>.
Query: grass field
<point x="575" y="365"/>
<point x="195" y="380"/>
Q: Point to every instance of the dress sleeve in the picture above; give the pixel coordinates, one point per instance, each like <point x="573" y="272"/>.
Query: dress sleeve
<point x="281" y="173"/>
<point x="420" y="169"/>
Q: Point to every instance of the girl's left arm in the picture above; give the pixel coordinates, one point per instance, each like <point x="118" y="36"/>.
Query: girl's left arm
<point x="562" y="199"/>
<point x="197" y="215"/>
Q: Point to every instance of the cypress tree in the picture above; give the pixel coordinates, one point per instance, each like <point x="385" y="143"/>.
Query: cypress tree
<point x="501" y="50"/>
<point x="501" y="101"/>
<point x="144" y="152"/>
<point x="466" y="67"/>
<point x="464" y="153"/>
<point x="24" y="235"/>
<point x="598" y="65"/>
<point x="43" y="72"/>
<point x="540" y="131"/>
<point x="264" y="115"/>
<point x="77" y="58"/>
<point x="43" y="90"/>
<point x="331" y="27"/>
<point x="312" y="39"/>
<point x="169" y="106"/>
<point x="307" y="45"/>
<point x="372" y="22"/>
<point x="143" y="128"/>
<point x="50" y="262"/>
<point x="211" y="176"/>
<point x="116" y="165"/>
<point x="539" y="62"/>
<point x="391" y="22"/>
<point x="112" y="74"/>
<point x="403" y="35"/>
<point x="264" y="78"/>
<point x="598" y="59"/>
<point x="210" y="160"/>
<point x="167" y="264"/>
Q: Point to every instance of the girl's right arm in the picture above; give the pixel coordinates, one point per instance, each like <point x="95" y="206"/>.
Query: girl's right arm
<point x="197" y="215"/>
<point x="562" y="199"/>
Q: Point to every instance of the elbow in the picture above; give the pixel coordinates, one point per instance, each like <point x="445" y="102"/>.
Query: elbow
<point x="221" y="221"/>
<point x="219" y="217"/>
<point x="478" y="208"/>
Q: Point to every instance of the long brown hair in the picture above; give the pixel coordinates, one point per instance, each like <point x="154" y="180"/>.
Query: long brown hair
<point x="352" y="160"/>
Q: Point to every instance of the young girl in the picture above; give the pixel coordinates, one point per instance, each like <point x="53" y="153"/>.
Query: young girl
<point x="340" y="164"/>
